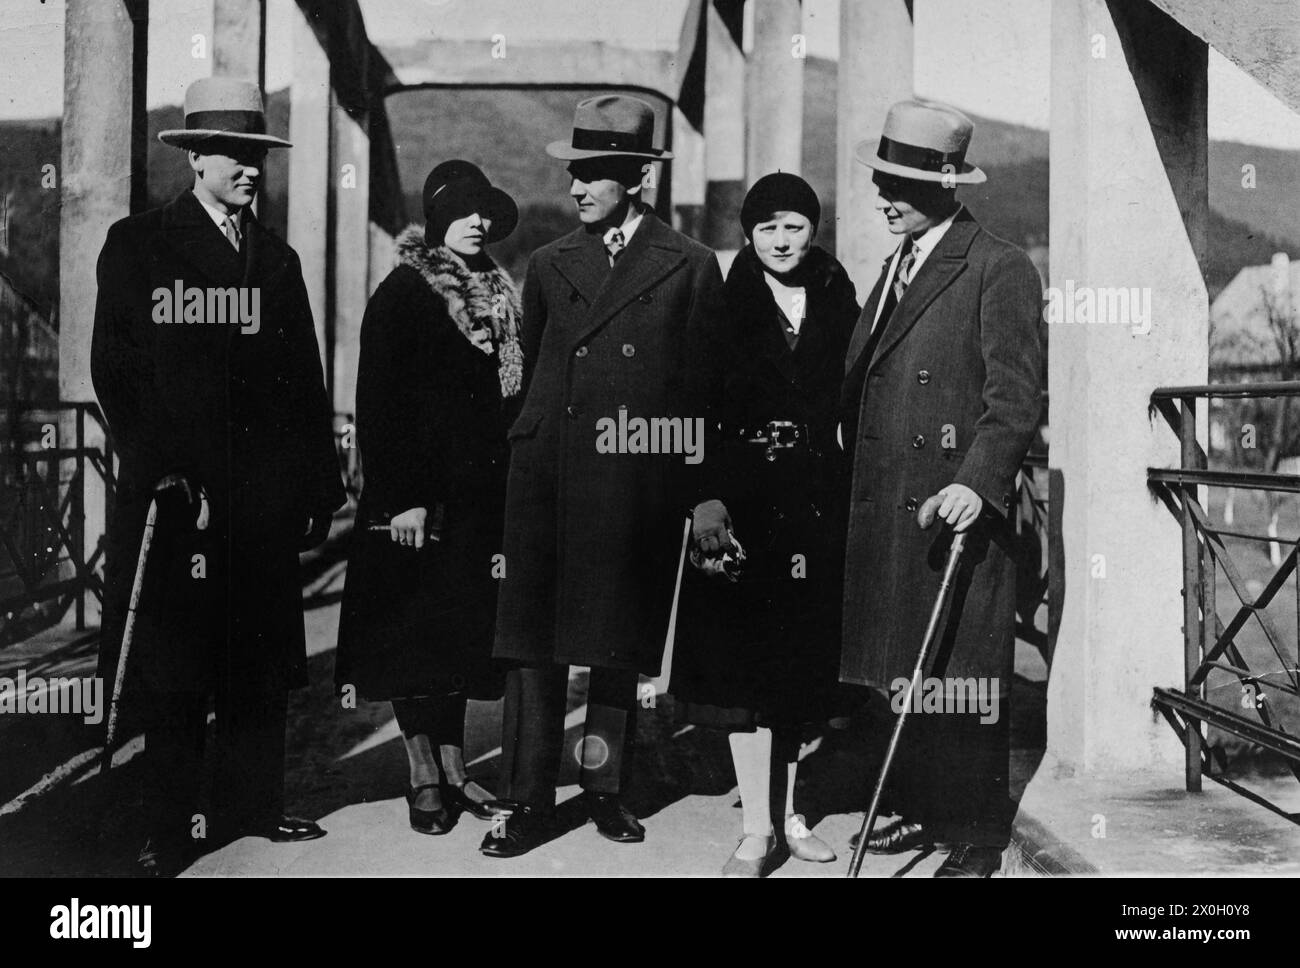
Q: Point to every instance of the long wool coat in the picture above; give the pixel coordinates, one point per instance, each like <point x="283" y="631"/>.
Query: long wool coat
<point x="245" y="414"/>
<point x="431" y="429"/>
<point x="592" y="539"/>
<point x="769" y="644"/>
<point x="951" y="394"/>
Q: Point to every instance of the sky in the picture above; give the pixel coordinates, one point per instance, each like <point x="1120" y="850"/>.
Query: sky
<point x="990" y="57"/>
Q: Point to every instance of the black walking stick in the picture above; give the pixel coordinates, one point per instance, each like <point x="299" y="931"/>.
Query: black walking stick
<point x="938" y="614"/>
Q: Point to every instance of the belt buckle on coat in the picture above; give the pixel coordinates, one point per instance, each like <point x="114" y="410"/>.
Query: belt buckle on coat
<point x="781" y="435"/>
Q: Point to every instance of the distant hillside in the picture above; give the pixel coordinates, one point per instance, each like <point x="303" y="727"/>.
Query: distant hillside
<point x="506" y="132"/>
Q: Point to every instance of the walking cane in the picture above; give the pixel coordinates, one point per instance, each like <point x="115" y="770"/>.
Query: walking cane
<point x="128" y="631"/>
<point x="938" y="614"/>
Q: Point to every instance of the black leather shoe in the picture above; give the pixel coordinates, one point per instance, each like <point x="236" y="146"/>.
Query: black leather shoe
<point x="287" y="830"/>
<point x="613" y="820"/>
<point x="435" y="822"/>
<point x="458" y="799"/>
<point x="515" y="833"/>
<point x="896" y="838"/>
<point x="969" y="860"/>
<point x="161" y="858"/>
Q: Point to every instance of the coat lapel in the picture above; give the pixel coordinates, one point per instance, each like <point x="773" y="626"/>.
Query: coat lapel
<point x="945" y="264"/>
<point x="862" y="331"/>
<point x="583" y="262"/>
<point x="191" y="234"/>
<point x="652" y="255"/>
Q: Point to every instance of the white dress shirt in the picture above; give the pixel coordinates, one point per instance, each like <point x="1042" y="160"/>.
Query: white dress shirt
<point x="925" y="244"/>
<point x="219" y="217"/>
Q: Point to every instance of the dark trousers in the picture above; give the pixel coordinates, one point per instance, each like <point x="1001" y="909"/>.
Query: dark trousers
<point x="532" y="738"/>
<point x="951" y="775"/>
<point x="248" y="780"/>
<point x="442" y="719"/>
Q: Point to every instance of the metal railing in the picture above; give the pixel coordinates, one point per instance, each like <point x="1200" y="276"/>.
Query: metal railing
<point x="1210" y="645"/>
<point x="45" y="565"/>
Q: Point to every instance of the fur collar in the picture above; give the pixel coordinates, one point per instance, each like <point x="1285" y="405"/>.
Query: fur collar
<point x="479" y="301"/>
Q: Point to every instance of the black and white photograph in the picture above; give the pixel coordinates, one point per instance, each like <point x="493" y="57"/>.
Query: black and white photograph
<point x="651" y="439"/>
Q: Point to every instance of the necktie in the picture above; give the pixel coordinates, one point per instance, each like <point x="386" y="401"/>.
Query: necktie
<point x="232" y="231"/>
<point x="903" y="277"/>
<point x="614" y="244"/>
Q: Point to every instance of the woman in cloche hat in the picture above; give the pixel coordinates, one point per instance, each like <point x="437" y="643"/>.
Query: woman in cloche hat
<point x="438" y="381"/>
<point x="758" y="655"/>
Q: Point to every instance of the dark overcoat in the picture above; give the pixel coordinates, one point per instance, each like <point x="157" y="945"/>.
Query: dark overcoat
<point x="245" y="414"/>
<point x="951" y="394"/>
<point x="592" y="539"/>
<point x="769" y="643"/>
<point x="431" y="428"/>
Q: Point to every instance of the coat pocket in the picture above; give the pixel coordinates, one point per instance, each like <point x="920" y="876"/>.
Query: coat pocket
<point x="524" y="427"/>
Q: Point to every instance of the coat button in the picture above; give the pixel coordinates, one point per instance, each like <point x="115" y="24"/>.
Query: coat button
<point x="629" y="350"/>
<point x="646" y="298"/>
<point x="580" y="352"/>
<point x="572" y="411"/>
<point x="923" y="377"/>
<point x="911" y="505"/>
<point x="918" y="441"/>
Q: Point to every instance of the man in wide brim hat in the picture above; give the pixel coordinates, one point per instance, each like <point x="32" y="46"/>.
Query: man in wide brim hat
<point x="225" y="108"/>
<point x="923" y="141"/>
<point x="216" y="403"/>
<point x="614" y="314"/>
<point x="941" y="395"/>
<point x="610" y="125"/>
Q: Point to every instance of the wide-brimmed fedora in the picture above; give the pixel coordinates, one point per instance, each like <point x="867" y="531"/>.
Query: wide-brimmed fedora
<point x="457" y="189"/>
<point x="924" y="141"/>
<point x="610" y="125"/>
<point x="222" y="107"/>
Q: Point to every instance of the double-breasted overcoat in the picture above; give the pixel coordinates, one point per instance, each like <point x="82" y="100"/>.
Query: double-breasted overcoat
<point x="952" y="393"/>
<point x="592" y="538"/>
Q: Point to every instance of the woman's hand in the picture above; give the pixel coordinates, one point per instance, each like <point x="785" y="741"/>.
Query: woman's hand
<point x="407" y="528"/>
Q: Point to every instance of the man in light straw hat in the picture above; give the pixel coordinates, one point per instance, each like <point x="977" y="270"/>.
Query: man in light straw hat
<point x="941" y="396"/>
<point x="593" y="534"/>
<point x="205" y="361"/>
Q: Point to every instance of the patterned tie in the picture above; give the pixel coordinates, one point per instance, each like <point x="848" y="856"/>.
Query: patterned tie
<point x="903" y="277"/>
<point x="231" y="229"/>
<point x="614" y="244"/>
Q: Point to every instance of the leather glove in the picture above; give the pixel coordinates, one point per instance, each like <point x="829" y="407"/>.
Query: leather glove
<point x="183" y="500"/>
<point x="317" y="530"/>
<point x="710" y="528"/>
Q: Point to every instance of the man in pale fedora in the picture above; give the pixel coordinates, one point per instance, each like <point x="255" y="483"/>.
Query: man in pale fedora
<point x="206" y="365"/>
<point x="941" y="396"/>
<point x="611" y="314"/>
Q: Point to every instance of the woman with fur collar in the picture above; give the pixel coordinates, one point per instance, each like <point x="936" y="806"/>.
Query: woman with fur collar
<point x="437" y="387"/>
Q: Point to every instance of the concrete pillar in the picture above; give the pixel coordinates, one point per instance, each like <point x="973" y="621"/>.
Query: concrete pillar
<point x="774" y="90"/>
<point x="309" y="175"/>
<point x="1129" y="208"/>
<point x="875" y="71"/>
<point x="349" y="260"/>
<point x="688" y="177"/>
<point x="102" y="179"/>
<point x="99" y="88"/>
<point x="239" y="39"/>
<point x="724" y="131"/>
